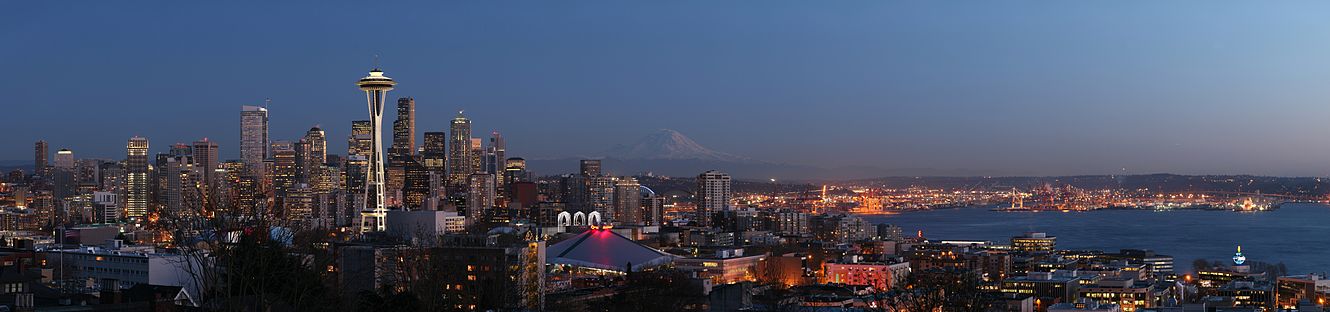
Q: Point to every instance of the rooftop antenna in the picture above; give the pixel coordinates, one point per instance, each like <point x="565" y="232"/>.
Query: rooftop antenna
<point x="376" y="61"/>
<point x="266" y="102"/>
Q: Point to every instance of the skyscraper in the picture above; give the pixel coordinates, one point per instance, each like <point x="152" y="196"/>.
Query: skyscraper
<point x="415" y="184"/>
<point x="459" y="150"/>
<point x="359" y="142"/>
<point x="182" y="189"/>
<point x="311" y="154"/>
<point x="376" y="87"/>
<point x="298" y="207"/>
<point x="284" y="165"/>
<point x="63" y="177"/>
<point x="435" y="154"/>
<point x="713" y="195"/>
<point x="225" y="192"/>
<point x="64" y="159"/>
<point x="205" y="159"/>
<point x="136" y="178"/>
<point x="329" y="199"/>
<point x="247" y="200"/>
<point x="355" y="171"/>
<point x="573" y="191"/>
<point x="514" y="170"/>
<point x="157" y="179"/>
<point x="477" y="154"/>
<point x="394" y="177"/>
<point x="404" y="130"/>
<point x="40" y="160"/>
<point x="253" y="137"/>
<point x="494" y="159"/>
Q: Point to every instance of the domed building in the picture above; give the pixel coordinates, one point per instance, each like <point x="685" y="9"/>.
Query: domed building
<point x="602" y="249"/>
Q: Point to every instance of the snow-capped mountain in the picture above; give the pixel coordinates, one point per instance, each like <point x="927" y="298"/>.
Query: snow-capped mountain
<point x="670" y="153"/>
<point x="670" y="144"/>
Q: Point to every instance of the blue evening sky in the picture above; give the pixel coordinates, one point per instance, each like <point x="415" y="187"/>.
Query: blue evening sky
<point x="1025" y="87"/>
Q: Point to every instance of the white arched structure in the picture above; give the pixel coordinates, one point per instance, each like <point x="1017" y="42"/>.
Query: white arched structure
<point x="593" y="218"/>
<point x="564" y="219"/>
<point x="579" y="219"/>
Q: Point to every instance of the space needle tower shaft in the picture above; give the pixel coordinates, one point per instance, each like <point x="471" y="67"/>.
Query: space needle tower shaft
<point x="376" y="87"/>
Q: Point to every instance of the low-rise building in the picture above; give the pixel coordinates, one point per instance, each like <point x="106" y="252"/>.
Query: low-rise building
<point x="725" y="266"/>
<point x="1128" y="293"/>
<point x="1043" y="285"/>
<point x="1084" y="306"/>
<point x="882" y="274"/>
<point x="1250" y="294"/>
<point x="1034" y="242"/>
<point x="119" y="267"/>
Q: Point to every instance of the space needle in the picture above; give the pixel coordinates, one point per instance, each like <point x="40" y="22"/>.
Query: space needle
<point x="376" y="87"/>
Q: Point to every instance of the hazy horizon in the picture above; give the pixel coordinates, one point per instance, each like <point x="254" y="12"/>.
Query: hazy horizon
<point x="1027" y="88"/>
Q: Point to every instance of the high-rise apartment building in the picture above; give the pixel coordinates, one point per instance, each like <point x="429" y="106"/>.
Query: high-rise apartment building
<point x="404" y="130"/>
<point x="653" y="207"/>
<point x="459" y="150"/>
<point x="136" y="178"/>
<point x="111" y="178"/>
<point x="253" y="137"/>
<point x="600" y="197"/>
<point x="480" y="197"/>
<point x="712" y="196"/>
<point x="628" y="201"/>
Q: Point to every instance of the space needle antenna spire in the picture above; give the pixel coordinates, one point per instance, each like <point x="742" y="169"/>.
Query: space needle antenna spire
<point x="374" y="211"/>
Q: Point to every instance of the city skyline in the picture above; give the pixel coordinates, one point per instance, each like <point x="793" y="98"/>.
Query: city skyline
<point x="871" y="83"/>
<point x="855" y="155"/>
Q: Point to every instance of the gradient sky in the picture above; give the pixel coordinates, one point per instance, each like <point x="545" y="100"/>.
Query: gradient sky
<point x="1038" y="87"/>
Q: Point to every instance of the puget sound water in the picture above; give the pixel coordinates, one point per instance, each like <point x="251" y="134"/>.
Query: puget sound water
<point x="1297" y="234"/>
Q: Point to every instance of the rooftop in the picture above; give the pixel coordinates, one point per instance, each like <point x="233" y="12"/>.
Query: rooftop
<point x="606" y="250"/>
